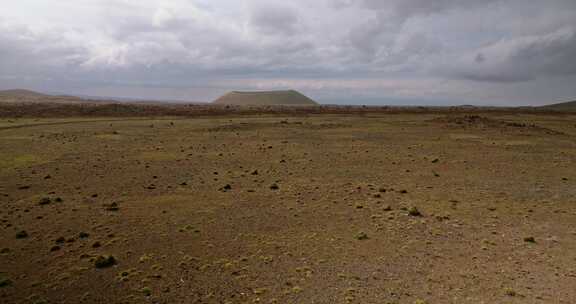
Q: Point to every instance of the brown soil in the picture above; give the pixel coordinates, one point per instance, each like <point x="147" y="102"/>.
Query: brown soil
<point x="289" y="208"/>
<point x="460" y="121"/>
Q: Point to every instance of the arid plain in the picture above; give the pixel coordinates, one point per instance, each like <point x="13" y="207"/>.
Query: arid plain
<point x="332" y="208"/>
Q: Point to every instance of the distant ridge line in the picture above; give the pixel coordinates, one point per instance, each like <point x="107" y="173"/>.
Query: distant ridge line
<point x="283" y="97"/>
<point x="264" y="92"/>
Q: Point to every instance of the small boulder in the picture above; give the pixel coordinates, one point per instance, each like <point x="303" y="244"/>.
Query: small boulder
<point x="4" y="282"/>
<point x="111" y="207"/>
<point x="104" y="261"/>
<point x="21" y="234"/>
<point x="44" y="201"/>
<point x="530" y="239"/>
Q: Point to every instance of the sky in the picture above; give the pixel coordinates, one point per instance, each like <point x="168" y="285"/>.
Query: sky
<point x="401" y="52"/>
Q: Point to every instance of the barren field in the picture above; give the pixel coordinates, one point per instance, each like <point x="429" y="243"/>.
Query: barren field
<point x="364" y="208"/>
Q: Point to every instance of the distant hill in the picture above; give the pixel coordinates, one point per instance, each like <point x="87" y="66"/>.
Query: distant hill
<point x="28" y="96"/>
<point x="21" y="93"/>
<point x="571" y="105"/>
<point x="269" y="98"/>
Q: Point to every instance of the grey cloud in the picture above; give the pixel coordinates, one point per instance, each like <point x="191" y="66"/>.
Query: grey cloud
<point x="408" y="8"/>
<point x="404" y="9"/>
<point x="274" y="19"/>
<point x="348" y="43"/>
<point x="368" y="38"/>
<point x="521" y="59"/>
<point x="30" y="54"/>
<point x="552" y="54"/>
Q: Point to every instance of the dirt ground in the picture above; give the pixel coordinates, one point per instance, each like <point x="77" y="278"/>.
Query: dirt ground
<point x="372" y="208"/>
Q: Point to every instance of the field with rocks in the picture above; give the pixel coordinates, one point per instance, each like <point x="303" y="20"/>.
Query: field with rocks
<point x="366" y="208"/>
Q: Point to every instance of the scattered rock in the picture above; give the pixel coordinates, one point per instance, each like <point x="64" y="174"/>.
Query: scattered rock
<point x="361" y="236"/>
<point x="55" y="248"/>
<point x="104" y="261"/>
<point x="83" y="235"/>
<point x="111" y="207"/>
<point x="442" y="218"/>
<point x="96" y="245"/>
<point x="530" y="239"/>
<point x="4" y="282"/>
<point x="44" y="201"/>
<point x="274" y="187"/>
<point x="21" y="234"/>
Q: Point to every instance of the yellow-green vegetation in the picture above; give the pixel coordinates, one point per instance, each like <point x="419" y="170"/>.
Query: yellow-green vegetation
<point x="147" y="291"/>
<point x="510" y="292"/>
<point x="147" y="257"/>
<point x="18" y="161"/>
<point x="110" y="136"/>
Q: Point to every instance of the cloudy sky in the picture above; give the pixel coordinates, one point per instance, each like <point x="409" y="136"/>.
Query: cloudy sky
<point x="435" y="52"/>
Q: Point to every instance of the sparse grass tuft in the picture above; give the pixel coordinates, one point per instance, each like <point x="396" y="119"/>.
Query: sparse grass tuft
<point x="146" y="291"/>
<point x="361" y="236"/>
<point x="510" y="292"/>
<point x="413" y="211"/>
